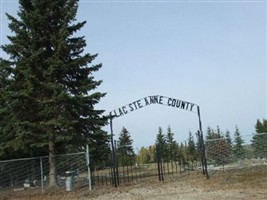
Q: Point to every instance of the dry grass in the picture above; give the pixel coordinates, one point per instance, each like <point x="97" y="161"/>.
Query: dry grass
<point x="224" y="185"/>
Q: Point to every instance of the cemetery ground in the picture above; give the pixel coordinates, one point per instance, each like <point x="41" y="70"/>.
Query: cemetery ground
<point x="248" y="183"/>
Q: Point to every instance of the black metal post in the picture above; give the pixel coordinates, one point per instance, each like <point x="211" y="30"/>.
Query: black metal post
<point x="204" y="159"/>
<point x="159" y="162"/>
<point x="157" y="154"/>
<point x="162" y="166"/>
<point x="200" y="149"/>
<point x="117" y="163"/>
<point x="113" y="155"/>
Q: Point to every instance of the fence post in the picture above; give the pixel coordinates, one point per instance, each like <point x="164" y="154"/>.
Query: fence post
<point x="88" y="167"/>
<point x="42" y="174"/>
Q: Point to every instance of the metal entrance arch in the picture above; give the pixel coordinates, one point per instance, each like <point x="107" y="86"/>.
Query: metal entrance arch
<point x="163" y="100"/>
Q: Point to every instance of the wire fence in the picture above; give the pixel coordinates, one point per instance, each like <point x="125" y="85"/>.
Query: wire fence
<point x="22" y="175"/>
<point x="28" y="176"/>
<point x="251" y="157"/>
<point x="31" y="175"/>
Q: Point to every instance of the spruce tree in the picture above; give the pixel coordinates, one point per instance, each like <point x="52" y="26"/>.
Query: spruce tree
<point x="229" y="145"/>
<point x="181" y="153"/>
<point x="170" y="144"/>
<point x="228" y="140"/>
<point x="238" y="148"/>
<point x="47" y="83"/>
<point x="192" y="152"/>
<point x="125" y="148"/>
<point x="161" y="144"/>
<point x="100" y="150"/>
<point x="215" y="146"/>
<point x="170" y="148"/>
<point x="210" y="147"/>
<point x="259" y="140"/>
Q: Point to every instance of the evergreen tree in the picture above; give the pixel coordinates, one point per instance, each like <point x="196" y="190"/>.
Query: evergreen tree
<point x="219" y="133"/>
<point x="161" y="144"/>
<point x="215" y="146"/>
<point x="228" y="140"/>
<point x="100" y="151"/>
<point x="229" y="145"/>
<point x="170" y="144"/>
<point x="182" y="153"/>
<point x="192" y="152"/>
<point x="238" y="148"/>
<point x="125" y="148"/>
<point x="47" y="88"/>
<point x="176" y="151"/>
<point x="170" y="148"/>
<point x="209" y="134"/>
<point x="210" y="147"/>
<point x="259" y="140"/>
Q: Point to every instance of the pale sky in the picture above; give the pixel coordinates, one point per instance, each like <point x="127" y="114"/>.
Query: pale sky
<point x="211" y="53"/>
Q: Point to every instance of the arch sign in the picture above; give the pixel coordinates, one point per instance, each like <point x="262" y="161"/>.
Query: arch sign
<point x="156" y="99"/>
<point x="162" y="100"/>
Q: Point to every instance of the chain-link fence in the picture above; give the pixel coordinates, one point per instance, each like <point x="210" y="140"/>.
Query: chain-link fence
<point x="223" y="155"/>
<point x="31" y="175"/>
<point x="22" y="175"/>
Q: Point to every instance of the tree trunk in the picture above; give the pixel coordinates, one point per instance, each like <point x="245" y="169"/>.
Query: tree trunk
<point x="52" y="163"/>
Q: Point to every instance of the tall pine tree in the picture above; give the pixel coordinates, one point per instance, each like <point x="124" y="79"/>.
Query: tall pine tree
<point x="125" y="148"/>
<point x="100" y="151"/>
<point x="215" y="146"/>
<point x="238" y="148"/>
<point x="259" y="140"/>
<point x="161" y="145"/>
<point x="170" y="144"/>
<point x="191" y="150"/>
<point x="229" y="146"/>
<point x="47" y="87"/>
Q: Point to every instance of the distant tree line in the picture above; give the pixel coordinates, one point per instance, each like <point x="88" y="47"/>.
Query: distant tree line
<point x="167" y="148"/>
<point x="221" y="147"/>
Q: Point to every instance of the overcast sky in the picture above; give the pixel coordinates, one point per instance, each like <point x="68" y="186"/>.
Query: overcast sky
<point x="211" y="53"/>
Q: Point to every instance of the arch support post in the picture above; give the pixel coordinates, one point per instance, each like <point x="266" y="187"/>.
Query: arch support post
<point x="115" y="182"/>
<point x="202" y="146"/>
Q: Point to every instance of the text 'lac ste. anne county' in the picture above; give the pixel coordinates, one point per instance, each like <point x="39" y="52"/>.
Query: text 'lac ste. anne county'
<point x="152" y="100"/>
